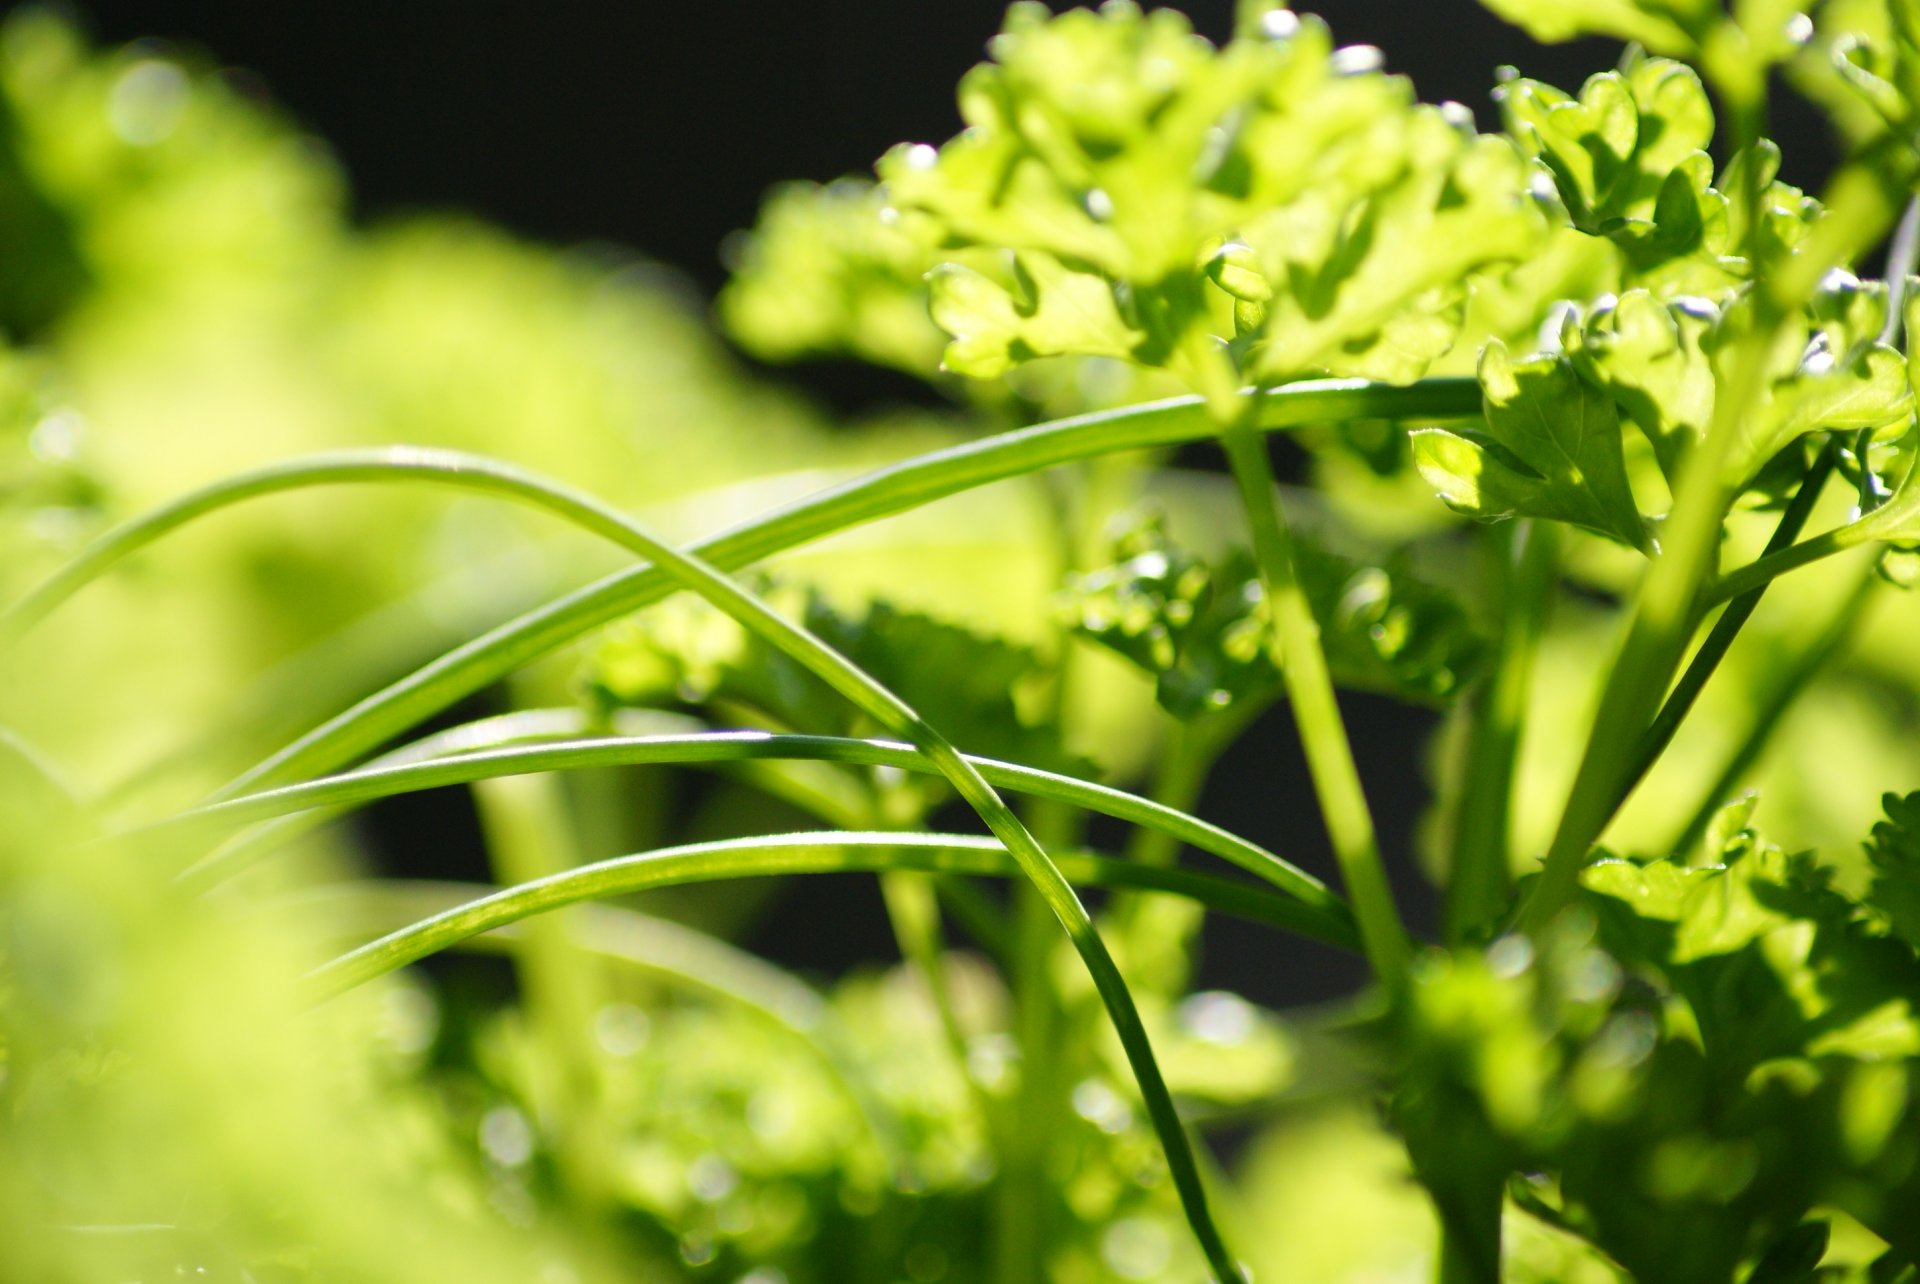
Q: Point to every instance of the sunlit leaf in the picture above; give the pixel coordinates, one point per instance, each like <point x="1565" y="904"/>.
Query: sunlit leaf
<point x="1201" y="629"/>
<point x="1552" y="449"/>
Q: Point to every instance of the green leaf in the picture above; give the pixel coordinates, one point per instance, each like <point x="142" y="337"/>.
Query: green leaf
<point x="1649" y="358"/>
<point x="833" y="269"/>
<point x="1202" y="629"/>
<point x="968" y="684"/>
<point x="1894" y="851"/>
<point x="1672" y="27"/>
<point x="1044" y="310"/>
<point x="1552" y="448"/>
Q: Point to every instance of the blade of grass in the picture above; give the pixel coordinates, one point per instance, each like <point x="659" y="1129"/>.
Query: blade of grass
<point x="242" y="850"/>
<point x="894" y="714"/>
<point x="890" y="490"/>
<point x="383" y="781"/>
<point x="825" y="852"/>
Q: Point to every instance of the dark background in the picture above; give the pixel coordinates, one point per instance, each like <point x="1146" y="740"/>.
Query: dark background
<point x="658" y="124"/>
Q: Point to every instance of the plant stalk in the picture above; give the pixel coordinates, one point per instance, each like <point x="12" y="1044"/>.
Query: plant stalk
<point x="1316" y="713"/>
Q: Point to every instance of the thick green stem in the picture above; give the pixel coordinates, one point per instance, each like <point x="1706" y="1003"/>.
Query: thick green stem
<point x="1707" y="658"/>
<point x="1156" y="936"/>
<point x="1665" y="608"/>
<point x="1316" y="713"/>
<point x="1779" y="698"/>
<point x="528" y="838"/>
<point x="1480" y="872"/>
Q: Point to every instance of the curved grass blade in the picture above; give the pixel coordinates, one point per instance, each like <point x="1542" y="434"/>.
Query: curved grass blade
<point x="519" y="727"/>
<point x="1331" y="923"/>
<point x="819" y="852"/>
<point x="883" y="493"/>
<point x="892" y="713"/>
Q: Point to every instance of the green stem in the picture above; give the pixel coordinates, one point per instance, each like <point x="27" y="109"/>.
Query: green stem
<point x="1316" y="713"/>
<point x="1156" y="935"/>
<point x="1481" y="868"/>
<point x="826" y="852"/>
<point x="1706" y="659"/>
<point x="888" y="491"/>
<point x="1780" y="697"/>
<point x="1664" y="609"/>
<point x="1327" y="914"/>
<point x="528" y="837"/>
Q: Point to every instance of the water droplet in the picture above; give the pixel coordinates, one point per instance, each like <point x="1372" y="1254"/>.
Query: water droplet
<point x="1136" y="1249"/>
<point x="1356" y="60"/>
<point x="506" y="1136"/>
<point x="1280" y="24"/>
<point x="1510" y="956"/>
<point x="56" y="438"/>
<point x="147" y="101"/>
<point x="1217" y="1017"/>
<point x="621" y="1029"/>
<point x="711" y="1178"/>
<point x="921" y="156"/>
<point x="925" y="1263"/>
<point x="1101" y="1106"/>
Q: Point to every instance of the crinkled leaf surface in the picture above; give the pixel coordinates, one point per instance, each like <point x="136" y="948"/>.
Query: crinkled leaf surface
<point x="966" y="684"/>
<point x="1693" y="1062"/>
<point x="1260" y="211"/>
<point x="1044" y="310"/>
<point x="1202" y="629"/>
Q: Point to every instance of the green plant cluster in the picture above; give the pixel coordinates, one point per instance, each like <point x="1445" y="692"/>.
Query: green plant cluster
<point x="1575" y="397"/>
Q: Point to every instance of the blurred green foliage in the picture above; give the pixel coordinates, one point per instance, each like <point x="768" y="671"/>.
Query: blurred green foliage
<point x="1702" y="1072"/>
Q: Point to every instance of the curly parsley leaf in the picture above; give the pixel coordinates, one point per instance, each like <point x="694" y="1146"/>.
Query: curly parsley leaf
<point x="1042" y="310"/>
<point x="1271" y="208"/>
<point x="832" y="270"/>
<point x="1894" y="851"/>
<point x="968" y="684"/>
<point x="1551" y="448"/>
<point x="1201" y="629"/>
<point x="1691" y="1065"/>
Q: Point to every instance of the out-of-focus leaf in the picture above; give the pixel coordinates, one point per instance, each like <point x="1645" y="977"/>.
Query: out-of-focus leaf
<point x="1551" y="448"/>
<point x="833" y="269"/>
<point x="1894" y="850"/>
<point x="1672" y="27"/>
<point x="1202" y="629"/>
<point x="1045" y="310"/>
<point x="970" y="686"/>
